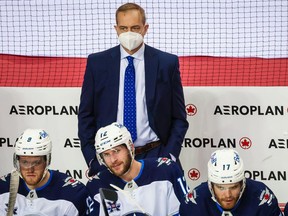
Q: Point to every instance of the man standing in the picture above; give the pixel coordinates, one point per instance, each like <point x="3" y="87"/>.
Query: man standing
<point x="136" y="85"/>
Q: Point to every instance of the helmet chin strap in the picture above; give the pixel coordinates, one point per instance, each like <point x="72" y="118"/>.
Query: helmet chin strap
<point x="44" y="174"/>
<point x="48" y="159"/>
<point x="132" y="158"/>
<point x="131" y="153"/>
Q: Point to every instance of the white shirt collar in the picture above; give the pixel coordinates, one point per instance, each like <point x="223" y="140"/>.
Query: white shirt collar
<point x="138" y="55"/>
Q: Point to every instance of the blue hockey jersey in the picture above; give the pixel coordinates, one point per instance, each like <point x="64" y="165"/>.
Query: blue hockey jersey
<point x="159" y="189"/>
<point x="61" y="195"/>
<point x="257" y="200"/>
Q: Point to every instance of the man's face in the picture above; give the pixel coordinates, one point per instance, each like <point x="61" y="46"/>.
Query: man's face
<point x="118" y="160"/>
<point x="32" y="169"/>
<point x="227" y="194"/>
<point x="130" y="20"/>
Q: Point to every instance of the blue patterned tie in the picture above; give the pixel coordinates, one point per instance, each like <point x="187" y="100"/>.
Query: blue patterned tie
<point x="130" y="99"/>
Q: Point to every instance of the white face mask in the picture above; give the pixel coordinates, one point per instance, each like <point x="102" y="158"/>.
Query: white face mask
<point x="130" y="40"/>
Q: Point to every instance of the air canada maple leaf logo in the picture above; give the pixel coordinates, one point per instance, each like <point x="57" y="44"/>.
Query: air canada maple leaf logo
<point x="191" y="109"/>
<point x="245" y="143"/>
<point x="194" y="174"/>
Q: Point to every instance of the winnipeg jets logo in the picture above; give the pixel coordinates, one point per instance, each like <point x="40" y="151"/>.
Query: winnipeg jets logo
<point x="265" y="197"/>
<point x="113" y="206"/>
<point x="191" y="196"/>
<point x="43" y="134"/>
<point x="161" y="161"/>
<point x="14" y="210"/>
<point x="70" y="181"/>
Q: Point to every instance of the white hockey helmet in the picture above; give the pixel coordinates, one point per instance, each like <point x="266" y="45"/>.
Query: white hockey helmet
<point x="225" y="167"/>
<point x="33" y="142"/>
<point x="111" y="136"/>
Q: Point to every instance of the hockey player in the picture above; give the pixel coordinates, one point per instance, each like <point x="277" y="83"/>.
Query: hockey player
<point x="33" y="189"/>
<point x="154" y="187"/>
<point x="229" y="193"/>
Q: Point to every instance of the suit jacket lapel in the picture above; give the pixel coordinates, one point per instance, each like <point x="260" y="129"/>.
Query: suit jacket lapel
<point x="151" y="65"/>
<point x="114" y="73"/>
